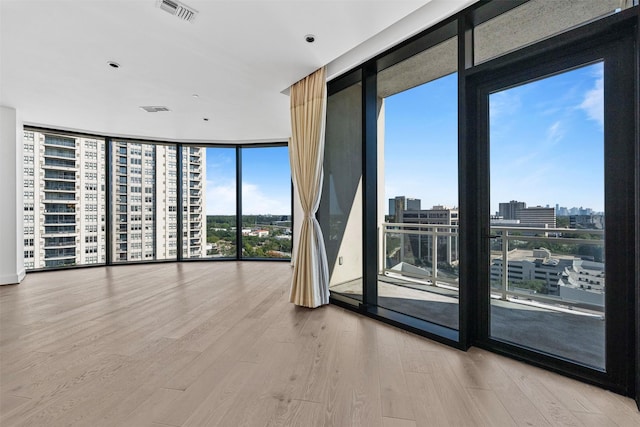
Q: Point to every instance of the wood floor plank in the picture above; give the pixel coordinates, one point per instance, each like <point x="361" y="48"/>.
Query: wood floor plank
<point x="396" y="401"/>
<point x="218" y="343"/>
<point x="546" y="402"/>
<point x="9" y="403"/>
<point x="300" y="413"/>
<point x="397" y="422"/>
<point x="427" y="406"/>
<point x="492" y="411"/>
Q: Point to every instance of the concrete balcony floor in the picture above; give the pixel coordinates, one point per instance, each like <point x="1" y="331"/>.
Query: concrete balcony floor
<point x="573" y="335"/>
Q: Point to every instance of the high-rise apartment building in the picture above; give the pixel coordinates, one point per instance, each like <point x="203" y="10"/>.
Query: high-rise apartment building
<point x="64" y="204"/>
<point x="65" y="201"/>
<point x="194" y="202"/>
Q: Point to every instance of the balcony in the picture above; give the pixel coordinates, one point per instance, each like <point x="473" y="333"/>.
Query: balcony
<point x="51" y="208"/>
<point x="58" y="163"/>
<point x="59" y="175"/>
<point x="60" y="253"/>
<point x="551" y="299"/>
<point x="60" y="153"/>
<point x="59" y="185"/>
<point x="59" y="141"/>
<point x="57" y="230"/>
<point x="59" y="219"/>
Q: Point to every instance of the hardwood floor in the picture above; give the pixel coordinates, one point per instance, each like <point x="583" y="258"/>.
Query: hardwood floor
<point x="207" y="344"/>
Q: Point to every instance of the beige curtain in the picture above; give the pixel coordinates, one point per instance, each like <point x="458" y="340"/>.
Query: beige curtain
<point x="310" y="283"/>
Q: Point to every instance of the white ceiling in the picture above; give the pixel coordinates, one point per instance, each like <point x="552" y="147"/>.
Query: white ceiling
<point x="238" y="56"/>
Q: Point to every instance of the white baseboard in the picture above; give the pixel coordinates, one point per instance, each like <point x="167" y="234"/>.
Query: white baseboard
<point x="12" y="279"/>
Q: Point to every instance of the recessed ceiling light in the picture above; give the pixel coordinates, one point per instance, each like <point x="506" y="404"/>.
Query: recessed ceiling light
<point x="113" y="64"/>
<point x="309" y="38"/>
<point x="195" y="95"/>
<point x="206" y="119"/>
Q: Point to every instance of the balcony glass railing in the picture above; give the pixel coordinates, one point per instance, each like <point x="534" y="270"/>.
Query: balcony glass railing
<point x="59" y="196"/>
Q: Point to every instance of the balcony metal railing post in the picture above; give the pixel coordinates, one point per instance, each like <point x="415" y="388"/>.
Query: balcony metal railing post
<point x="434" y="254"/>
<point x="505" y="264"/>
<point x="383" y="239"/>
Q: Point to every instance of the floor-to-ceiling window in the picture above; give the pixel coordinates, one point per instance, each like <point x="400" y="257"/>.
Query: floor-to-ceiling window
<point x="144" y="197"/>
<point x="537" y="167"/>
<point x="340" y="210"/>
<point x="209" y="202"/>
<point x="100" y="200"/>
<point x="418" y="128"/>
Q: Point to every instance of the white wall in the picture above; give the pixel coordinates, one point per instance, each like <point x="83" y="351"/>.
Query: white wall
<point x="11" y="246"/>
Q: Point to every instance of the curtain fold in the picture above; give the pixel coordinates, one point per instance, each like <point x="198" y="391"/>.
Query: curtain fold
<point x="310" y="282"/>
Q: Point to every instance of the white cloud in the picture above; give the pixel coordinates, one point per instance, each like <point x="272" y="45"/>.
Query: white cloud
<point x="255" y="202"/>
<point x="221" y="198"/>
<point x="504" y="103"/>
<point x="593" y="102"/>
<point x="555" y="132"/>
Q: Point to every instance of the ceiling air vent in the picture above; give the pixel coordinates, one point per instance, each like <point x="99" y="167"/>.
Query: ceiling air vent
<point x="154" y="109"/>
<point x="178" y="9"/>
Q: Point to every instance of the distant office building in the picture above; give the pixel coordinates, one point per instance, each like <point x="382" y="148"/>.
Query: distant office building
<point x="508" y="210"/>
<point x="413" y="204"/>
<point x="399" y="204"/>
<point x="566" y="277"/>
<point x="591" y="222"/>
<point x="537" y="216"/>
<point x="437" y="215"/>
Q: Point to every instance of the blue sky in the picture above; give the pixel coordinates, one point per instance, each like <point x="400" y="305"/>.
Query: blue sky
<point x="546" y="142"/>
<point x="546" y="147"/>
<point x="266" y="184"/>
